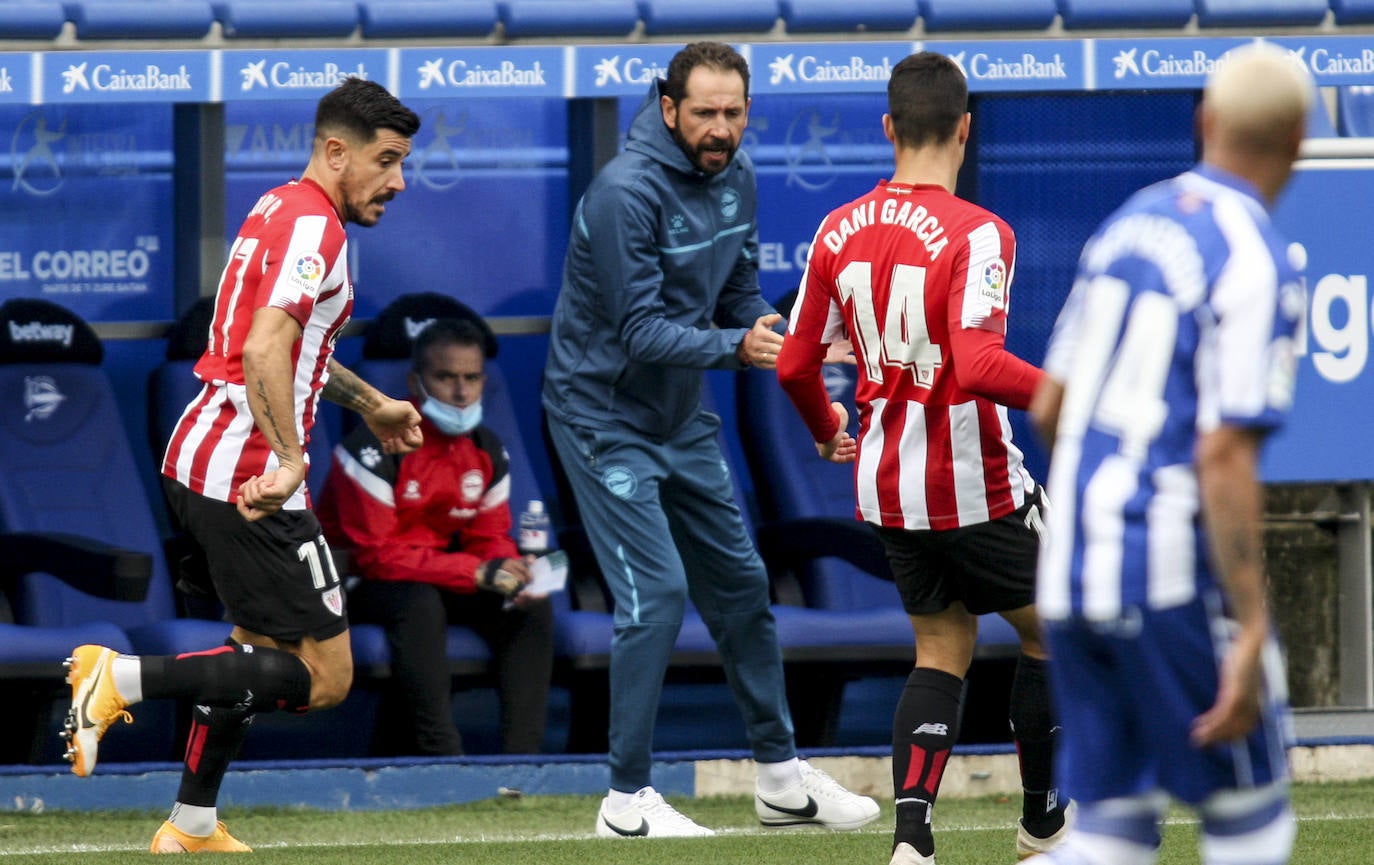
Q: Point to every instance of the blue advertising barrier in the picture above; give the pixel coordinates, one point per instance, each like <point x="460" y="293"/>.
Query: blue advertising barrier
<point x="1322" y="213"/>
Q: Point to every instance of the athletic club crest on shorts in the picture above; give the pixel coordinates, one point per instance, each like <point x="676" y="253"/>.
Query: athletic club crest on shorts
<point x="333" y="601"/>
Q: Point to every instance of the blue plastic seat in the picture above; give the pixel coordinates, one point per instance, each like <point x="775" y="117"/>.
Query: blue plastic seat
<point x="31" y="19"/>
<point x="1353" y="11"/>
<point x="133" y="19"/>
<point x="255" y="19"/>
<point x="558" y="18"/>
<point x="1260" y="13"/>
<point x="1089" y="14"/>
<point x="1355" y="111"/>
<point x="839" y="16"/>
<point x="679" y="17"/>
<point x="401" y="19"/>
<point x="385" y="363"/>
<point x="67" y="472"/>
<point x="987" y="14"/>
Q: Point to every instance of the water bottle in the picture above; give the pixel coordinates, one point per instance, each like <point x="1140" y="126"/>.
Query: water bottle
<point x="534" y="530"/>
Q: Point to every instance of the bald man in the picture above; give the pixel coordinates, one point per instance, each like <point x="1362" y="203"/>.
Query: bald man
<point x="1170" y="362"/>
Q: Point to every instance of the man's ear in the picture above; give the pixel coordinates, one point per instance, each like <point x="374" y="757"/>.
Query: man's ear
<point x="669" y="110"/>
<point x="335" y="153"/>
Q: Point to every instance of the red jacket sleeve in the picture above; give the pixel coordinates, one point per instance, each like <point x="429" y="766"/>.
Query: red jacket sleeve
<point x="799" y="373"/>
<point x="983" y="366"/>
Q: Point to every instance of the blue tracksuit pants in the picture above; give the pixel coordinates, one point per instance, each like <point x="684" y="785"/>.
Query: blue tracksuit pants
<point x="664" y="524"/>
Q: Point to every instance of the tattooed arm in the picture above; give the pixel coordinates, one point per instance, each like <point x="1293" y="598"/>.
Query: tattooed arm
<point x="1232" y="507"/>
<point x="267" y="375"/>
<point x="395" y="422"/>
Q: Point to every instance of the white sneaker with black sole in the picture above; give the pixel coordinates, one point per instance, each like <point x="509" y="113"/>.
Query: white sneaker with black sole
<point x="647" y="816"/>
<point x="817" y="798"/>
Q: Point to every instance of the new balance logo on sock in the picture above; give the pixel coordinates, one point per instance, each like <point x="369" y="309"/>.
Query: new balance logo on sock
<point x="931" y="729"/>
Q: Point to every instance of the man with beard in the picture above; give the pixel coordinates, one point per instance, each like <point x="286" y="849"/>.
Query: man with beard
<point x="235" y="469"/>
<point x="663" y="246"/>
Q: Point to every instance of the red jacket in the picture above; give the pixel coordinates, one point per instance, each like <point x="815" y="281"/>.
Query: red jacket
<point x="429" y="516"/>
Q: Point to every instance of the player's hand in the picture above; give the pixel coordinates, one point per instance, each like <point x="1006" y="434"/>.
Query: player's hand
<point x="506" y="577"/>
<point x="396" y="424"/>
<point x="840" y="351"/>
<point x="264" y="494"/>
<point x="842" y="448"/>
<point x="1237" y="707"/>
<point x="761" y="345"/>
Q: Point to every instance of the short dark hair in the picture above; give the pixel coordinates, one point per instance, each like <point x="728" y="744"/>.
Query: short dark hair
<point x="446" y="331"/>
<point x="927" y="96"/>
<point x="713" y="55"/>
<point x="357" y="108"/>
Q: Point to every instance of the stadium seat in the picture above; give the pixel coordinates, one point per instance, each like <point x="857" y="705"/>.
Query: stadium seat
<point x="134" y="19"/>
<point x="66" y="469"/>
<point x="271" y="19"/>
<point x="401" y="19"/>
<point x="1260" y="13"/>
<point x="1114" y="14"/>
<point x="1355" y="111"/>
<point x="527" y="19"/>
<point x="385" y="362"/>
<point x="848" y="16"/>
<point x="939" y="15"/>
<point x="32" y="19"/>
<point x="681" y="17"/>
<point x="1353" y="11"/>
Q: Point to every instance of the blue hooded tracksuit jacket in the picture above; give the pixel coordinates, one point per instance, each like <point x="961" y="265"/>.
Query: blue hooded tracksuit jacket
<point x="659" y="251"/>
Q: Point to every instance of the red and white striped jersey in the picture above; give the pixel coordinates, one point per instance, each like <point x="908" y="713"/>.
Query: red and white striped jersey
<point x="919" y="280"/>
<point x="292" y="254"/>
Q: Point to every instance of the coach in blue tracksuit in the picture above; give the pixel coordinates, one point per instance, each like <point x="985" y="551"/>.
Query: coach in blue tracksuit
<point x="663" y="245"/>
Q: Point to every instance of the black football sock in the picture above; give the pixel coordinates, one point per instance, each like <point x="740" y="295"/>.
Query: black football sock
<point x="213" y="743"/>
<point x="253" y="678"/>
<point x="1033" y="729"/>
<point x="924" y="729"/>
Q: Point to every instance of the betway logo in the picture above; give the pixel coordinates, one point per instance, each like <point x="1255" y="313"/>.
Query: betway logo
<point x="1153" y="63"/>
<point x="37" y="331"/>
<point x="459" y="74"/>
<point x="103" y="77"/>
<point x="609" y="70"/>
<point x="1028" y="67"/>
<point x="810" y="69"/>
<point x="282" y="76"/>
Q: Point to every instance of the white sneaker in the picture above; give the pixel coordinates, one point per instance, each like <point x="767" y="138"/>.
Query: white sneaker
<point x="905" y="854"/>
<point x="647" y="816"/>
<point x="1027" y="845"/>
<point x="818" y="798"/>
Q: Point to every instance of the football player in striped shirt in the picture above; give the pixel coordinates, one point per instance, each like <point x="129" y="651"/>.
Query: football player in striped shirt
<point x="1171" y="361"/>
<point x="235" y="468"/>
<point x="918" y="280"/>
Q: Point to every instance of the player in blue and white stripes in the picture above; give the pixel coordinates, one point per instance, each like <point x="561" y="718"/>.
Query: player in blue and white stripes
<point x="1171" y="361"/>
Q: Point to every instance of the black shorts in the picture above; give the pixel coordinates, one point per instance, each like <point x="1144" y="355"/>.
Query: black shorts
<point x="275" y="576"/>
<point x="989" y="566"/>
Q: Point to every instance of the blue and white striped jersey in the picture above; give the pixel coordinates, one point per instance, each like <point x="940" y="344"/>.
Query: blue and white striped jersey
<point x="1181" y="319"/>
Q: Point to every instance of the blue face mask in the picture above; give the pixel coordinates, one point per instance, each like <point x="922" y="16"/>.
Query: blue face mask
<point x="451" y="419"/>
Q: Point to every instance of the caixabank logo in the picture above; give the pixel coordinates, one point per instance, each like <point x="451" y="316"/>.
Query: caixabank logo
<point x="131" y="76"/>
<point x="1132" y="64"/>
<point x="492" y="71"/>
<point x="1333" y="60"/>
<point x="824" y="68"/>
<point x="273" y="74"/>
<point x="1012" y="65"/>
<point x="619" y="70"/>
